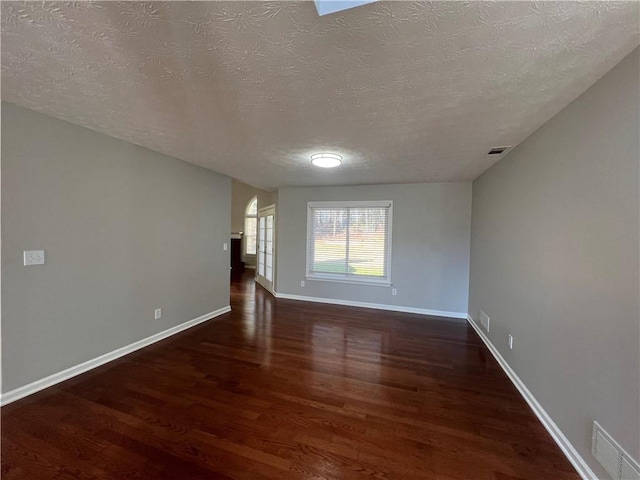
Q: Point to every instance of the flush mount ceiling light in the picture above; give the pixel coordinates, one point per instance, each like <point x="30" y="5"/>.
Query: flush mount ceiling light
<point x="326" y="160"/>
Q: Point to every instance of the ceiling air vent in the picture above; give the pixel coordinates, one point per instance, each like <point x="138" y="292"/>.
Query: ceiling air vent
<point x="498" y="150"/>
<point x="612" y="457"/>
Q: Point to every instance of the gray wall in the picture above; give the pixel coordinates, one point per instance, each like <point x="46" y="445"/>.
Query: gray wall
<point x="554" y="261"/>
<point x="125" y="230"/>
<point x="430" y="245"/>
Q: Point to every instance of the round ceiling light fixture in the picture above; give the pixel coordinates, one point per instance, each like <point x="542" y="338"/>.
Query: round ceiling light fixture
<point x="326" y="160"/>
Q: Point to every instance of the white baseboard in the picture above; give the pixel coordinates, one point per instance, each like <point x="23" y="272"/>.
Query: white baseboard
<point x="561" y="440"/>
<point x="21" y="392"/>
<point x="377" y="306"/>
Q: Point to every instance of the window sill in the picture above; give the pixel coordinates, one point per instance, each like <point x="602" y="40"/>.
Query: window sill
<point x="367" y="283"/>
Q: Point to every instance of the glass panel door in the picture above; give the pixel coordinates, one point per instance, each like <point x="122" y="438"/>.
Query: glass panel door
<point x="261" y="246"/>
<point x="265" y="273"/>
<point x="269" y="248"/>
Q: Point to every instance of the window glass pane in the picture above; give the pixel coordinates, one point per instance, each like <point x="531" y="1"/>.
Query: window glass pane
<point x="261" y="265"/>
<point x="250" y="232"/>
<point x="329" y="241"/>
<point x="252" y="209"/>
<point x="250" y="227"/>
<point x="349" y="242"/>
<point x="367" y="241"/>
<point x="263" y="238"/>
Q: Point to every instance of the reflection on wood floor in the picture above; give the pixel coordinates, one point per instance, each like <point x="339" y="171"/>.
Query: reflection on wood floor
<point x="279" y="389"/>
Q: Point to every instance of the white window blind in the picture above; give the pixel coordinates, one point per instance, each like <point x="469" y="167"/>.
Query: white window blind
<point x="349" y="241"/>
<point x="251" y="226"/>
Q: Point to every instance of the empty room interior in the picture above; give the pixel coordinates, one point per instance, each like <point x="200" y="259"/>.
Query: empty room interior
<point x="326" y="240"/>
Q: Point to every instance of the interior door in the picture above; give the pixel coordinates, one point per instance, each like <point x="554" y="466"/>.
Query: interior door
<point x="265" y="271"/>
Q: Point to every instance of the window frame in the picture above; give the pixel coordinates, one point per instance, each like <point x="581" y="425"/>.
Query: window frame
<point x="350" y="278"/>
<point x="248" y="215"/>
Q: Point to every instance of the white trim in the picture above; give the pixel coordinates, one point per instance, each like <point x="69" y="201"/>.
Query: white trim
<point x="319" y="277"/>
<point x="352" y="204"/>
<point x="71" y="372"/>
<point x="272" y="206"/>
<point x="270" y="290"/>
<point x="561" y="440"/>
<point x="377" y="306"/>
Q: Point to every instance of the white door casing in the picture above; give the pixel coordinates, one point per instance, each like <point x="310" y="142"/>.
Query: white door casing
<point x="265" y="271"/>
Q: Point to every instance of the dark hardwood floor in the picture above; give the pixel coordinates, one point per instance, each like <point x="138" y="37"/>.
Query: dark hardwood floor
<point x="280" y="389"/>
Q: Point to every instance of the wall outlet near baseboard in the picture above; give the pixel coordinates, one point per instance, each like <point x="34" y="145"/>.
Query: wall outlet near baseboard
<point x="510" y="341"/>
<point x="394" y="291"/>
<point x="302" y="283"/>
<point x="157" y="314"/>
<point x="484" y="320"/>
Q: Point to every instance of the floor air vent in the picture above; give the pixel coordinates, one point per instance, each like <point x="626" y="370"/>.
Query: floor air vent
<point x="612" y="457"/>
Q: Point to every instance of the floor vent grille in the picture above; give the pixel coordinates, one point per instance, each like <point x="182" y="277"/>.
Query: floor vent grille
<point x="612" y="457"/>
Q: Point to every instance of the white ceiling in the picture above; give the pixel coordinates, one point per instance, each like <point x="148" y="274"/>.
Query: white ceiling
<point x="406" y="91"/>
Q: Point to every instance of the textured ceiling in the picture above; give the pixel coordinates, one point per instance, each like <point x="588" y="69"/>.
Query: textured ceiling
<point x="406" y="91"/>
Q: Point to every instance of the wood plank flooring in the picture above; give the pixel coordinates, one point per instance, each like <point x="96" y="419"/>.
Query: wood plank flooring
<point x="280" y="389"/>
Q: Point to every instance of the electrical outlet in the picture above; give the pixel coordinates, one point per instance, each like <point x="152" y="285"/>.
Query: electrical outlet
<point x="158" y="313"/>
<point x="302" y="283"/>
<point x="225" y="246"/>
<point x="394" y="291"/>
<point x="484" y="320"/>
<point x="33" y="257"/>
<point x="510" y="340"/>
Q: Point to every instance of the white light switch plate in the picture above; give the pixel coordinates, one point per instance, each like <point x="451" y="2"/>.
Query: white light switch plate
<point x="33" y="257"/>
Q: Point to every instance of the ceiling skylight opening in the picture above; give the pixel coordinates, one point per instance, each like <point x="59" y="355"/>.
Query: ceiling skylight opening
<point x="326" y="160"/>
<point x="325" y="7"/>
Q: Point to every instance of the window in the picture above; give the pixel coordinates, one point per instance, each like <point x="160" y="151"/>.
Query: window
<point x="349" y="241"/>
<point x="251" y="227"/>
